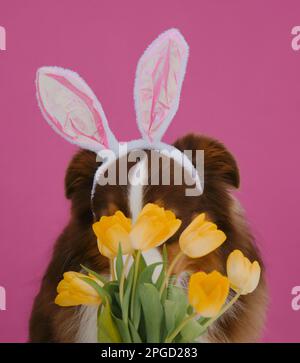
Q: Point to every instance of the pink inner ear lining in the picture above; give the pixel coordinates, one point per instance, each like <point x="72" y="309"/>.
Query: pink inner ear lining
<point x="156" y="91"/>
<point x="158" y="83"/>
<point x="89" y="103"/>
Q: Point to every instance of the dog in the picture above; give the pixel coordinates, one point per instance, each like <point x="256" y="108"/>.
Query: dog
<point x="77" y="243"/>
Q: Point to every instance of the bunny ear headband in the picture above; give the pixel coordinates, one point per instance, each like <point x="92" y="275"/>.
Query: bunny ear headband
<point x="73" y="111"/>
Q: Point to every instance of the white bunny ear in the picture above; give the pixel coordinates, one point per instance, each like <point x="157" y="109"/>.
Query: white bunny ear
<point x="72" y="109"/>
<point x="159" y="78"/>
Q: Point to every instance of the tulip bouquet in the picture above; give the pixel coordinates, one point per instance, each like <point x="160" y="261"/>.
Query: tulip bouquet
<point x="135" y="307"/>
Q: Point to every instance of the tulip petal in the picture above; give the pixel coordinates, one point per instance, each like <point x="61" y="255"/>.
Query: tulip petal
<point x="78" y="284"/>
<point x="63" y="286"/>
<point x="67" y="299"/>
<point x="208" y="292"/>
<point x="237" y="269"/>
<point x="116" y="235"/>
<point x="105" y="251"/>
<point x="110" y="232"/>
<point x="213" y="303"/>
<point x="153" y="227"/>
<point x="195" y="291"/>
<point x="211" y="281"/>
<point x="243" y="275"/>
<point x="72" y="290"/>
<point x="173" y="227"/>
<point x="194" y="225"/>
<point x="104" y="223"/>
<point x="254" y="278"/>
<point x="70" y="275"/>
<point x="150" y="209"/>
<point x="207" y="226"/>
<point x="169" y="215"/>
<point x="147" y="233"/>
<point x="196" y="246"/>
<point x="124" y="221"/>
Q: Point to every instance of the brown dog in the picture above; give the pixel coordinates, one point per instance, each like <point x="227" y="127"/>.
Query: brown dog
<point x="77" y="243"/>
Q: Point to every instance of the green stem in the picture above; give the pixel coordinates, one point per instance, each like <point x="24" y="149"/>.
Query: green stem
<point x="122" y="281"/>
<point x="112" y="269"/>
<point x="175" y="332"/>
<point x="222" y="311"/>
<point x="136" y="270"/>
<point x="169" y="272"/>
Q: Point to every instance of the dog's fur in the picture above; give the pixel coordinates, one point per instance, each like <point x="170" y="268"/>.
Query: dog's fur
<point x="77" y="243"/>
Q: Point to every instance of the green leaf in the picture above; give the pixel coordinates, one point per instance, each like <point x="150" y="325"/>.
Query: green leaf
<point x="117" y="298"/>
<point x="107" y="330"/>
<point x="145" y="277"/>
<point x="119" y="263"/>
<point x="137" y="310"/>
<point x="123" y="330"/>
<point x="169" y="308"/>
<point x="178" y="295"/>
<point x="147" y="273"/>
<point x="152" y="312"/>
<point x="191" y="331"/>
<point x="143" y="263"/>
<point x="100" y="290"/>
<point x="112" y="288"/>
<point x="95" y="274"/>
<point x="127" y="294"/>
<point x="134" y="333"/>
<point x="103" y="337"/>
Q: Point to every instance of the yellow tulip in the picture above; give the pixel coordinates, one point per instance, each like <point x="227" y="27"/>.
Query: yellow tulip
<point x="200" y="237"/>
<point x="112" y="231"/>
<point x="153" y="227"/>
<point x="72" y="290"/>
<point x="243" y="275"/>
<point x="208" y="292"/>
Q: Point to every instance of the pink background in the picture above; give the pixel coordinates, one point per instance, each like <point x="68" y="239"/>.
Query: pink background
<point x="242" y="87"/>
